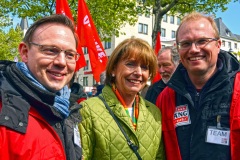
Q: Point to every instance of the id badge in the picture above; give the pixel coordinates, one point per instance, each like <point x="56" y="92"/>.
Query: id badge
<point x="77" y="139"/>
<point x="218" y="135"/>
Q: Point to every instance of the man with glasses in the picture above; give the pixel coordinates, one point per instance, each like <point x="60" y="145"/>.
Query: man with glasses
<point x="36" y="121"/>
<point x="198" y="113"/>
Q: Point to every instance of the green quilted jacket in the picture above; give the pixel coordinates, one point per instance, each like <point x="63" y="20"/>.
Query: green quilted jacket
<point x="103" y="140"/>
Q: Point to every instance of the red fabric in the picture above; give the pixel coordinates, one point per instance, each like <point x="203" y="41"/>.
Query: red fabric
<point x="235" y="120"/>
<point x="166" y="103"/>
<point x="81" y="99"/>
<point x="157" y="49"/>
<point x="39" y="142"/>
<point x="89" y="38"/>
<point x="62" y="7"/>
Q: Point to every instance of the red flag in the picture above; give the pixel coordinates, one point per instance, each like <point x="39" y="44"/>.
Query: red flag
<point x="89" y="38"/>
<point x="157" y="49"/>
<point x="62" y="7"/>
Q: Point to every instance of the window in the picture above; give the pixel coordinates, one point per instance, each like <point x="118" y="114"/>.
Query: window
<point x="85" y="81"/>
<point x="147" y="14"/>
<point x="223" y="43"/>
<point x="229" y="45"/>
<point x="163" y="32"/>
<point x="173" y="34"/>
<point x="172" y="19"/>
<point x="165" y="18"/>
<point x="235" y="45"/>
<point x="107" y="45"/>
<point x="178" y="20"/>
<point x="85" y="50"/>
<point x="142" y="28"/>
<point x="86" y="67"/>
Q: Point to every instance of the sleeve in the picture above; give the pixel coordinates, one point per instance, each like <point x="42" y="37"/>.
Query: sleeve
<point x="86" y="132"/>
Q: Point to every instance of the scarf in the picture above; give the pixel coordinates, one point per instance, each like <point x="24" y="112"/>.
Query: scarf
<point x="61" y="101"/>
<point x="135" y="106"/>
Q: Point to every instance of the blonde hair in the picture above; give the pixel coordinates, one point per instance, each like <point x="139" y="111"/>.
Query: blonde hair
<point x="194" y="16"/>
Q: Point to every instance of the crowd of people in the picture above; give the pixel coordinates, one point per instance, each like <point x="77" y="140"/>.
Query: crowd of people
<point x="191" y="113"/>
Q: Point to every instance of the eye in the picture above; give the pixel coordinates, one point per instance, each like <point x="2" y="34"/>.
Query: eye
<point x="185" y="44"/>
<point x="202" y="41"/>
<point x="70" y="54"/>
<point x="130" y="64"/>
<point x="144" y="67"/>
<point x="50" y="50"/>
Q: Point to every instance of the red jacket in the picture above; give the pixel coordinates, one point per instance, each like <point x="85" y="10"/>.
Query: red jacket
<point x="39" y="142"/>
<point x="167" y="108"/>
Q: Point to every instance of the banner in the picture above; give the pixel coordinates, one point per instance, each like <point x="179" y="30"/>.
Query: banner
<point x="89" y="38"/>
<point x="62" y="7"/>
<point x="157" y="49"/>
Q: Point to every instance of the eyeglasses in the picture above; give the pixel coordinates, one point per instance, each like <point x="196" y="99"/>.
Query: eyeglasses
<point x="53" y="52"/>
<point x="200" y="43"/>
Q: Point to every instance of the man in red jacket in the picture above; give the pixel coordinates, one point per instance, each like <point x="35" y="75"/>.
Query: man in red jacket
<point x="198" y="122"/>
<point x="36" y="121"/>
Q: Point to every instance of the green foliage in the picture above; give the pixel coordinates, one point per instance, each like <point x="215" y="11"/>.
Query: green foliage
<point x="108" y="15"/>
<point x="111" y="15"/>
<point x="9" y="47"/>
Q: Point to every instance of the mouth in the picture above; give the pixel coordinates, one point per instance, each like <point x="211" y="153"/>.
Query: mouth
<point x="196" y="58"/>
<point x="135" y="81"/>
<point x="57" y="74"/>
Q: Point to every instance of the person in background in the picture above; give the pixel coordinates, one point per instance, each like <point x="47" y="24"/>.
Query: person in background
<point x="130" y="66"/>
<point x="168" y="60"/>
<point x="36" y="121"/>
<point x="94" y="90"/>
<point x="200" y="119"/>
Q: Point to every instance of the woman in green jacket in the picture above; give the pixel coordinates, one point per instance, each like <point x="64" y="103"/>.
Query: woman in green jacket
<point x="130" y="66"/>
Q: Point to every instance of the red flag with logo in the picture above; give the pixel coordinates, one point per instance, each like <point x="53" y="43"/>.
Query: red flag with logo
<point x="89" y="38"/>
<point x="157" y="49"/>
<point x="62" y="7"/>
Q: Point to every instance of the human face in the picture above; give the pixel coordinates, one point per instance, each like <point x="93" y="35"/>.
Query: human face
<point x="53" y="73"/>
<point x="199" y="61"/>
<point x="165" y="65"/>
<point x="131" y="77"/>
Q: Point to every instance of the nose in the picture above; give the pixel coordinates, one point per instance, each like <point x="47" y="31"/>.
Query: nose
<point x="60" y="59"/>
<point x="161" y="69"/>
<point x="194" y="47"/>
<point x="138" y="70"/>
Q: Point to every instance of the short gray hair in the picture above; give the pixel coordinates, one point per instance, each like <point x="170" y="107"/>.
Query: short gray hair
<point x="174" y="53"/>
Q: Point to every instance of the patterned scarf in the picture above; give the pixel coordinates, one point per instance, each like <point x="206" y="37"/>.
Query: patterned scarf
<point x="61" y="101"/>
<point x="135" y="106"/>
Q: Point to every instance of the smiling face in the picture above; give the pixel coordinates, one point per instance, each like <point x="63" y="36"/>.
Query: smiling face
<point x="53" y="73"/>
<point x="131" y="76"/>
<point x="198" y="61"/>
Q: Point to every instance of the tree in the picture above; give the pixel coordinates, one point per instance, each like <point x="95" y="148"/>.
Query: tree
<point x="162" y="7"/>
<point x="9" y="49"/>
<point x="110" y="15"/>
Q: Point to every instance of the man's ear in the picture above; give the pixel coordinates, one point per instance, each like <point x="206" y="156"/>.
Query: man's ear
<point x="23" y="51"/>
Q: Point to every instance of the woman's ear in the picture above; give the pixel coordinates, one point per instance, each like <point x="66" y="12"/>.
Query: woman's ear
<point x="23" y="51"/>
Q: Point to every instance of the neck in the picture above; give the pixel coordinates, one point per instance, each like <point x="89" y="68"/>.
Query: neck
<point x="199" y="80"/>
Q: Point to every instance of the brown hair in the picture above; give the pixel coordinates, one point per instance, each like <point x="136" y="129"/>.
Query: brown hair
<point x="136" y="48"/>
<point x="55" y="18"/>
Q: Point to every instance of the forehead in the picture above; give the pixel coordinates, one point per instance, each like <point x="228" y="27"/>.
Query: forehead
<point x="193" y="29"/>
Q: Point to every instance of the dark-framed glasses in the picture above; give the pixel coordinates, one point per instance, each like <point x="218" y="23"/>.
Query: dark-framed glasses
<point x="52" y="52"/>
<point x="199" y="43"/>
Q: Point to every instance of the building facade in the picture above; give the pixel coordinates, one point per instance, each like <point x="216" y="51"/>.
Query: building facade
<point x="143" y="29"/>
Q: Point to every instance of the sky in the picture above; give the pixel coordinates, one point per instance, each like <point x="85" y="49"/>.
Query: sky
<point x="231" y="17"/>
